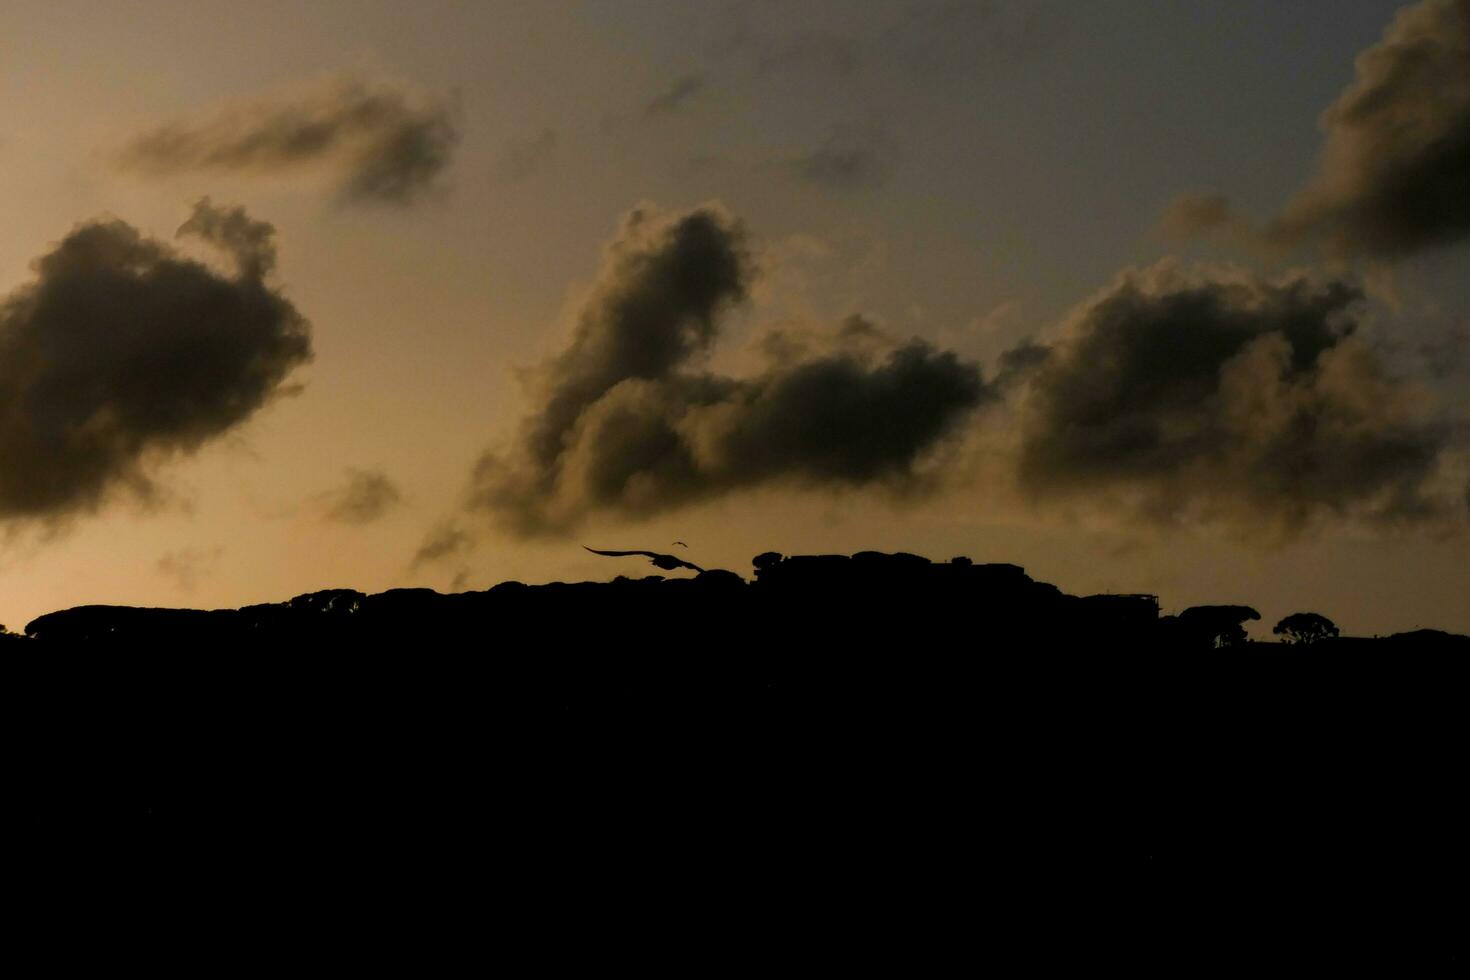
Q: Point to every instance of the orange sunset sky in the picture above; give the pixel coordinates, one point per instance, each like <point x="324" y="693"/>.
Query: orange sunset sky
<point x="1143" y="296"/>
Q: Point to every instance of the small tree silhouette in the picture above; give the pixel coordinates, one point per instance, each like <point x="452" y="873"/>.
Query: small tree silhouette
<point x="1305" y="628"/>
<point x="1218" y="626"/>
<point x="767" y="559"/>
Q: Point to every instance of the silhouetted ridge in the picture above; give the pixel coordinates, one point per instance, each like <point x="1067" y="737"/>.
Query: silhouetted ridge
<point x="880" y="742"/>
<point x="890" y="588"/>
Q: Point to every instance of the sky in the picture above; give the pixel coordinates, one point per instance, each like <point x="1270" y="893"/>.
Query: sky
<point x="1145" y="296"/>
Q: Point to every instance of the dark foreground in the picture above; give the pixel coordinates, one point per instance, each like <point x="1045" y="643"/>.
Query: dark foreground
<point x="874" y="761"/>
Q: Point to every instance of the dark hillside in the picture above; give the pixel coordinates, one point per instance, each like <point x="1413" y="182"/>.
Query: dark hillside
<point x="865" y="747"/>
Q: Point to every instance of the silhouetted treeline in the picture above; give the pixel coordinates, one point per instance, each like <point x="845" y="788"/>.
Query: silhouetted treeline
<point x="875" y="749"/>
<point x="888" y="592"/>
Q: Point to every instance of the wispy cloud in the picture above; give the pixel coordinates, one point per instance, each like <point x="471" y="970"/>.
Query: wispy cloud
<point x="679" y="93"/>
<point x="382" y="142"/>
<point x="850" y="157"/>
<point x="366" y="496"/>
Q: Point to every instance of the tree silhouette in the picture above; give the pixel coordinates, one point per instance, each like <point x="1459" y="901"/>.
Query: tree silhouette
<point x="767" y="559"/>
<point x="1305" y="628"/>
<point x="1219" y="626"/>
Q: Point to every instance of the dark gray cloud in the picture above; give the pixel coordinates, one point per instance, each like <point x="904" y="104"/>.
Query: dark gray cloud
<point x="1020" y="363"/>
<point x="366" y="496"/>
<point x="384" y="142"/>
<point x="852" y="156"/>
<point x="445" y="541"/>
<point x="1214" y="393"/>
<point x="676" y="96"/>
<point x="121" y="353"/>
<point x="252" y="243"/>
<point x="626" y="422"/>
<point x="1395" y="172"/>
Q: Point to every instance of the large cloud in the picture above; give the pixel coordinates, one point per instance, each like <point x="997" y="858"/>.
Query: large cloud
<point x="1394" y="177"/>
<point x="121" y="353"/>
<point x="626" y="423"/>
<point x="1213" y="393"/>
<point x="383" y="142"/>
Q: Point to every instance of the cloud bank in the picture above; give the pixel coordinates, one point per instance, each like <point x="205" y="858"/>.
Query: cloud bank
<point x="383" y="143"/>
<point x="626" y="423"/>
<point x="121" y="353"/>
<point x="1204" y="395"/>
<point x="1212" y="393"/>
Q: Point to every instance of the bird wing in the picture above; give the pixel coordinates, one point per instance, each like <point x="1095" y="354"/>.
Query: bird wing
<point x="623" y="554"/>
<point x="666" y="562"/>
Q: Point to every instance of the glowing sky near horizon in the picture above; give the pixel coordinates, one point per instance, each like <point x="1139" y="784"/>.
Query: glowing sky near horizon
<point x="444" y="180"/>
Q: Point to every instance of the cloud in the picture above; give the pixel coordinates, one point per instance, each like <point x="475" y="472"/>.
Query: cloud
<point x="1196" y="214"/>
<point x="1020" y="363"/>
<point x="122" y="353"/>
<point x="1394" y="174"/>
<point x="366" y="496"/>
<point x="252" y="243"/>
<point x="382" y="142"/>
<point x="1210" y="215"/>
<point x="1213" y="394"/>
<point x="443" y="542"/>
<point x="851" y="157"/>
<point x="676" y="96"/>
<point x="527" y="158"/>
<point x="625" y="421"/>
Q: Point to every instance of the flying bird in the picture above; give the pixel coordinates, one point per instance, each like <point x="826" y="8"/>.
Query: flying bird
<point x="667" y="562"/>
<point x="681" y="544"/>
